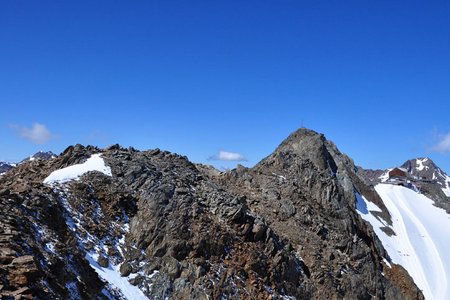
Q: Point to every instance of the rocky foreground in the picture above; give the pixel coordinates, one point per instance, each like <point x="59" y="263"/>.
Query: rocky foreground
<point x="162" y="227"/>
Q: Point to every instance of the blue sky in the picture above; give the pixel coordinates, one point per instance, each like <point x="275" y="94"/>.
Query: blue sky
<point x="200" y="77"/>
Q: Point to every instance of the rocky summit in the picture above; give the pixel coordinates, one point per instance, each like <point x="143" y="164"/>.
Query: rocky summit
<point x="118" y="223"/>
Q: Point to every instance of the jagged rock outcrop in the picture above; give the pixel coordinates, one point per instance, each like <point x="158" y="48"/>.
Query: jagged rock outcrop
<point x="285" y="229"/>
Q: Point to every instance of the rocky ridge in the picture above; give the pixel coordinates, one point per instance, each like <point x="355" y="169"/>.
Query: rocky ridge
<point x="285" y="229"/>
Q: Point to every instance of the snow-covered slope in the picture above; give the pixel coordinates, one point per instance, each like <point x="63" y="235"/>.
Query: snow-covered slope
<point x="421" y="240"/>
<point x="94" y="163"/>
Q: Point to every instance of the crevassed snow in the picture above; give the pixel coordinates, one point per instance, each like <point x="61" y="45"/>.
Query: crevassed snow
<point x="422" y="237"/>
<point x="93" y="163"/>
<point x="112" y="276"/>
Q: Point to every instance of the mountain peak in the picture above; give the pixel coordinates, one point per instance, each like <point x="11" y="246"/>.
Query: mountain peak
<point x="302" y="134"/>
<point x="425" y="168"/>
<point x="304" y="144"/>
<point x="46" y="155"/>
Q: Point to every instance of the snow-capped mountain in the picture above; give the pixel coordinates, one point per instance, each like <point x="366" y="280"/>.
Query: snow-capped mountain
<point x="5" y="166"/>
<point x="426" y="169"/>
<point x="40" y="155"/>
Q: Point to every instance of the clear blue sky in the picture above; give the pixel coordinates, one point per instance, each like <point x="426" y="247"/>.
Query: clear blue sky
<point x="197" y="77"/>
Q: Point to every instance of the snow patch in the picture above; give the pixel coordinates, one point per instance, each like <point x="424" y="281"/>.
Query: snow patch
<point x="420" y="243"/>
<point x="420" y="165"/>
<point x="446" y="190"/>
<point x="94" y="163"/>
<point x="385" y="176"/>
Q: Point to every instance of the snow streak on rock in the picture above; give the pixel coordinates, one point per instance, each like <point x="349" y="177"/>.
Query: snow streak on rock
<point x="111" y="275"/>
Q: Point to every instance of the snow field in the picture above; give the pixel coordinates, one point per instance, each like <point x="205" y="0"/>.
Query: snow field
<point x="422" y="236"/>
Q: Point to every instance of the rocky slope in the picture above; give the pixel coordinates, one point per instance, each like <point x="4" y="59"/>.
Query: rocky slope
<point x="5" y="166"/>
<point x="159" y="226"/>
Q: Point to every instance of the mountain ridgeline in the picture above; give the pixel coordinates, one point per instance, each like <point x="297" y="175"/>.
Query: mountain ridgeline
<point x="160" y="227"/>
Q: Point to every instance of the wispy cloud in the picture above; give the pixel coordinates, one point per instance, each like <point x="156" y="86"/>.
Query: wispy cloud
<point x="443" y="144"/>
<point x="228" y="156"/>
<point x="37" y="134"/>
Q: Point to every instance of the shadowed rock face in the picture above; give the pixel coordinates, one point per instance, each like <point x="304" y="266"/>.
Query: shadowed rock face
<point x="285" y="228"/>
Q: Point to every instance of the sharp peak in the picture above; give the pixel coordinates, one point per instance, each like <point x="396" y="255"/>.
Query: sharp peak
<point x="422" y="159"/>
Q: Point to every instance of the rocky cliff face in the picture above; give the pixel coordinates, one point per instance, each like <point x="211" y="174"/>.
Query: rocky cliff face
<point x="162" y="227"/>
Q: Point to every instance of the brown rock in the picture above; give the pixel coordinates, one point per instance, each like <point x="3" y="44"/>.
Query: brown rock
<point x="23" y="260"/>
<point x="22" y="290"/>
<point x="103" y="261"/>
<point x="125" y="269"/>
<point x="17" y="279"/>
<point x="258" y="231"/>
<point x="7" y="252"/>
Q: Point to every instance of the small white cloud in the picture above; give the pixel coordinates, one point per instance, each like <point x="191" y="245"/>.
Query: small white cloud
<point x="228" y="156"/>
<point x="37" y="134"/>
<point x="443" y="145"/>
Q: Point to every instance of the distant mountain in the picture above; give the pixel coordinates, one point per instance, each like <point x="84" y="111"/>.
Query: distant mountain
<point x="426" y="169"/>
<point x="4" y="167"/>
<point x="40" y="155"/>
